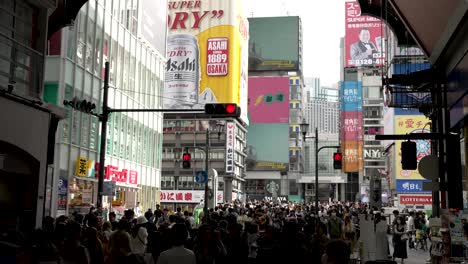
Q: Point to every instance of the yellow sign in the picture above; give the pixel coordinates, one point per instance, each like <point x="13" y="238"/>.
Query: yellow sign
<point x="207" y="53"/>
<point x="81" y="167"/>
<point x="406" y="124"/>
<point x="352" y="156"/>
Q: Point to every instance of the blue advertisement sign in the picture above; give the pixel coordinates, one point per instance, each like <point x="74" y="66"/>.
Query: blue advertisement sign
<point x="410" y="186"/>
<point x="62" y="186"/>
<point x="351" y="96"/>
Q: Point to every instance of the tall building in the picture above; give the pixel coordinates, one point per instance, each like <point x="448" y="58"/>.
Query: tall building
<point x="322" y="112"/>
<point x="324" y="115"/>
<point x="28" y="123"/>
<point x="75" y="66"/>
<point x="206" y="64"/>
<point x="276" y="108"/>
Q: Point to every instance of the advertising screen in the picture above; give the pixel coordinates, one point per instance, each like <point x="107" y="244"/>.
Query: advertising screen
<point x="274" y="52"/>
<point x="364" y="38"/>
<point x="351" y="126"/>
<point x="406" y="124"/>
<point x="268" y="100"/>
<point x="268" y="146"/>
<point x="207" y="55"/>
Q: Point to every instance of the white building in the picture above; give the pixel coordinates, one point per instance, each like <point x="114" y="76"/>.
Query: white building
<point x="75" y="68"/>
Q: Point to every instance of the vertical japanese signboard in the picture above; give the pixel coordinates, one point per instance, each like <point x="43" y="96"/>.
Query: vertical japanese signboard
<point x="364" y="38"/>
<point x="81" y="167"/>
<point x="230" y="137"/>
<point x="406" y="124"/>
<point x="207" y="54"/>
<point x="351" y="126"/>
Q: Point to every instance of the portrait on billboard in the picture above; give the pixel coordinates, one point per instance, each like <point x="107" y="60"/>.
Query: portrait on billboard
<point x="364" y="48"/>
<point x="364" y="38"/>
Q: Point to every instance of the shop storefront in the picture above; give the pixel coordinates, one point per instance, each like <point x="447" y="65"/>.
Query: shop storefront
<point x="120" y="188"/>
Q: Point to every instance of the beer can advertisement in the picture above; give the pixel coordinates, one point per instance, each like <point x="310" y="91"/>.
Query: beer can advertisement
<point x="207" y="55"/>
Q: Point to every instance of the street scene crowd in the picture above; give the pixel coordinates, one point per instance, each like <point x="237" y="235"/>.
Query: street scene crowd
<point x="257" y="232"/>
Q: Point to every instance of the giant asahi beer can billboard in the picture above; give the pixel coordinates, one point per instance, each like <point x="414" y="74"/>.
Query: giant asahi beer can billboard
<point x="207" y="54"/>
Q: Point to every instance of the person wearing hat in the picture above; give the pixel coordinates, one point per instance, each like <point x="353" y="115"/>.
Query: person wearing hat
<point x="139" y="236"/>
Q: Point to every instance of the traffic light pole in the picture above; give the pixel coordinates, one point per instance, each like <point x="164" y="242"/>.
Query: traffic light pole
<point x="205" y="206"/>
<point x="317" y="150"/>
<point x="102" y="149"/>
<point x="104" y="118"/>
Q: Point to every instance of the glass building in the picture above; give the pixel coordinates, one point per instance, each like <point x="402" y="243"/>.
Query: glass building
<point x="117" y="31"/>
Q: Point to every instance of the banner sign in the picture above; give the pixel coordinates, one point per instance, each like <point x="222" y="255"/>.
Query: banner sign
<point x="207" y="54"/>
<point x="351" y="130"/>
<point x="410" y="186"/>
<point x="269" y="100"/>
<point x="364" y="38"/>
<point x="113" y="173"/>
<point x="407" y="124"/>
<point x="415" y="199"/>
<point x="178" y="196"/>
<point x="230" y="138"/>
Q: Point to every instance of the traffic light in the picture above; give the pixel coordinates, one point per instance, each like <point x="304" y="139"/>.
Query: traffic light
<point x="222" y="110"/>
<point x="337" y="157"/>
<point x="186" y="157"/>
<point x="80" y="105"/>
<point x="408" y="155"/>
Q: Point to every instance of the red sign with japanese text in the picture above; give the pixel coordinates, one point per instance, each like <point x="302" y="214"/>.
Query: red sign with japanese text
<point x="364" y="38"/>
<point x="217" y="59"/>
<point x="180" y="196"/>
<point x="415" y="199"/>
<point x="113" y="173"/>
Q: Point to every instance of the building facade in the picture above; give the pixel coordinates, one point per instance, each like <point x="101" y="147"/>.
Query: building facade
<point x="29" y="123"/>
<point x="184" y="134"/>
<point x="324" y="115"/>
<point x="279" y="158"/>
<point x="107" y="31"/>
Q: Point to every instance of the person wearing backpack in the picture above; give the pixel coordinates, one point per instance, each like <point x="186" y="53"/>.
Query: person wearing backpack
<point x="335" y="225"/>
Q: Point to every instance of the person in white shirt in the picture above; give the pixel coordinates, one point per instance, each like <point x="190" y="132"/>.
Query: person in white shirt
<point x="178" y="254"/>
<point x="139" y="237"/>
<point x="137" y="210"/>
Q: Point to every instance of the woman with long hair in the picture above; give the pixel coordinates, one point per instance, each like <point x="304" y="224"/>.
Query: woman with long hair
<point x="399" y="239"/>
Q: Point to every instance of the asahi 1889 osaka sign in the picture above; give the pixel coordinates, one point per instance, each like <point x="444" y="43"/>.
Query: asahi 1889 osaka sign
<point x="207" y="54"/>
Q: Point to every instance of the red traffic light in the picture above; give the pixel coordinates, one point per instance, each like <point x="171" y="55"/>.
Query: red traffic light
<point x="337" y="156"/>
<point x="186" y="157"/>
<point x="231" y="108"/>
<point x="222" y="110"/>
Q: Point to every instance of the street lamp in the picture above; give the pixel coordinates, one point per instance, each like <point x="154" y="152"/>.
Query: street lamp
<point x="304" y="128"/>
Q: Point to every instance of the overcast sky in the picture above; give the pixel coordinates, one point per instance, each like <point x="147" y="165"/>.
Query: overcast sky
<point x="322" y="25"/>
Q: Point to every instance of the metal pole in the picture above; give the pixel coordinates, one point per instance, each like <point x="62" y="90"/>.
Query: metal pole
<point x="316" y="175"/>
<point x="102" y="151"/>
<point x="205" y="208"/>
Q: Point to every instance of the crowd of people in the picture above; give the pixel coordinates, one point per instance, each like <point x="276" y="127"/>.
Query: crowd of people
<point x="261" y="232"/>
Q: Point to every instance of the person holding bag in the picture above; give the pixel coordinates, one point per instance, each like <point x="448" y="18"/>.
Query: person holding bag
<point x="400" y="237"/>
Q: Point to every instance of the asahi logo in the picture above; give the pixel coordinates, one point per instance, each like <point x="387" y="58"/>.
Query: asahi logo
<point x="186" y="65"/>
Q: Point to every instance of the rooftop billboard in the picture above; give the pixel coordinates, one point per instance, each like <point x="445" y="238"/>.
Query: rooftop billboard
<point x="268" y="100"/>
<point x="364" y="38"/>
<point x="274" y="52"/>
<point x="207" y="54"/>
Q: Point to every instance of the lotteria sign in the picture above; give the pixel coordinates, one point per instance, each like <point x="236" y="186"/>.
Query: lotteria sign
<point x="415" y="199"/>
